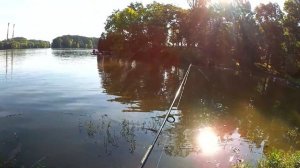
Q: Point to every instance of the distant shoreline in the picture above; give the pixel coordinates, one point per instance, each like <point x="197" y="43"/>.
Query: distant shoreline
<point x="74" y="42"/>
<point x="23" y="43"/>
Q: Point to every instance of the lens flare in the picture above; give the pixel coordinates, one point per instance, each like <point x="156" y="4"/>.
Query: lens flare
<point x="208" y="141"/>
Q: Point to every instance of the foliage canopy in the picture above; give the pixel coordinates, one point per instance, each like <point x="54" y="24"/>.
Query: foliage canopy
<point x="228" y="34"/>
<point x="23" y="43"/>
<point x="73" y="41"/>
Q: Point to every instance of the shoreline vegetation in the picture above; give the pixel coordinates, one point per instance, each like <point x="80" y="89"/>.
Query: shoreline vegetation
<point x="23" y="43"/>
<point x="275" y="159"/>
<point x="74" y="41"/>
<point x="65" y="41"/>
<point x="229" y="35"/>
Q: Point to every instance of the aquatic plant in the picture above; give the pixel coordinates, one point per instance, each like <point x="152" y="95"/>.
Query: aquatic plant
<point x="91" y="129"/>
<point x="275" y="159"/>
<point x="128" y="133"/>
<point x="242" y="165"/>
<point x="280" y="159"/>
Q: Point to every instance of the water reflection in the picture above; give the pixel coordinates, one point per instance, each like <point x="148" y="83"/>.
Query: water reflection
<point x="153" y="85"/>
<point x="110" y="112"/>
<point x="8" y="55"/>
<point x="249" y="112"/>
<point x="70" y="53"/>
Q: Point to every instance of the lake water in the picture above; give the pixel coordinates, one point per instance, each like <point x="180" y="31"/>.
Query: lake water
<point x="65" y="108"/>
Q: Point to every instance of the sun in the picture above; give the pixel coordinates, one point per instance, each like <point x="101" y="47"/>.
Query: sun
<point x="253" y="3"/>
<point x="208" y="141"/>
<point x="221" y="1"/>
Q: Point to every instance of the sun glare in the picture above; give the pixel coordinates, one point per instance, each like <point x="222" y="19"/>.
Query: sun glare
<point x="208" y="141"/>
<point x="221" y="1"/>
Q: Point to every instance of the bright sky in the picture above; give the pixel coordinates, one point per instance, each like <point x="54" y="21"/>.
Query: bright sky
<point x="47" y="19"/>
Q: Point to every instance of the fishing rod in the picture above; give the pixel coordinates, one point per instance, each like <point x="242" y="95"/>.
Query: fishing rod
<point x="150" y="148"/>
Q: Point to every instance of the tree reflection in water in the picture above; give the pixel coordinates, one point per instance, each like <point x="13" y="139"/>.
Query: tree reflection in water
<point x="241" y="113"/>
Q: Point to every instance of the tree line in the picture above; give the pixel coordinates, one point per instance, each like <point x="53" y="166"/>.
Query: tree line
<point x="73" y="41"/>
<point x="23" y="43"/>
<point x="218" y="34"/>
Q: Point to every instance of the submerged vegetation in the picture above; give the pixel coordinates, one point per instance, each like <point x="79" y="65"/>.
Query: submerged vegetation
<point x="216" y="34"/>
<point x="69" y="41"/>
<point x="23" y="43"/>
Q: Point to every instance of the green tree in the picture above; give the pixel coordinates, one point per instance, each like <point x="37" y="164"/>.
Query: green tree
<point x="15" y="45"/>
<point x="270" y="18"/>
<point x="226" y="34"/>
<point x="22" y="43"/>
<point x="292" y="27"/>
<point x="245" y="34"/>
<point x="73" y="41"/>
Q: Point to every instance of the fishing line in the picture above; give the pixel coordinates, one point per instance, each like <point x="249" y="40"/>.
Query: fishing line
<point x="182" y="91"/>
<point x="161" y="153"/>
<point x="171" y="118"/>
<point x="150" y="148"/>
<point x="199" y="69"/>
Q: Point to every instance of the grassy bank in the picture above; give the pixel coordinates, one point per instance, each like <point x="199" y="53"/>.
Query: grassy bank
<point x="275" y="159"/>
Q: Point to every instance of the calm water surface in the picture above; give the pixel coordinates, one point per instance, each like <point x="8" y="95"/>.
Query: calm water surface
<point x="65" y="108"/>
